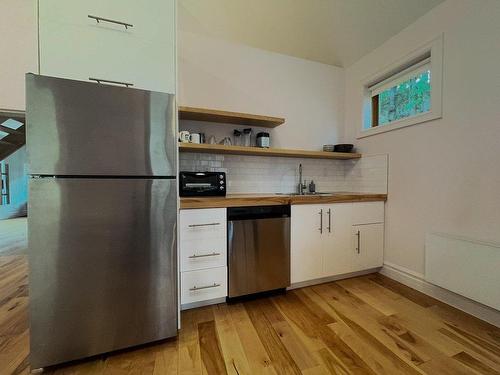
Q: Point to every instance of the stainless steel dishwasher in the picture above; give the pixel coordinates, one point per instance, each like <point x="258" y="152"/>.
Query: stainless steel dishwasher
<point x="259" y="249"/>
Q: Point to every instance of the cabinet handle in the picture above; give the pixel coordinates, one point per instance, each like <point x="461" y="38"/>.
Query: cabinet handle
<point x="100" y="80"/>
<point x="320" y="221"/>
<point x="194" y="256"/>
<point x="202" y="225"/>
<point x="358" y="249"/>
<point x="194" y="288"/>
<point x="99" y="19"/>
<point x="329" y="220"/>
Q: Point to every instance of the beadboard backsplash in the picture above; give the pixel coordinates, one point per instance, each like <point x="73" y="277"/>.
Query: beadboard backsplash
<point x="261" y="174"/>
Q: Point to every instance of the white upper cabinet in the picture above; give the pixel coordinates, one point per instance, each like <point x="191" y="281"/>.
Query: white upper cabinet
<point x="110" y="40"/>
<point x="18" y="41"/>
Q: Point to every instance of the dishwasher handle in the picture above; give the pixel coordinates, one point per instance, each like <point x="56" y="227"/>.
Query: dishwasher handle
<point x="257" y="212"/>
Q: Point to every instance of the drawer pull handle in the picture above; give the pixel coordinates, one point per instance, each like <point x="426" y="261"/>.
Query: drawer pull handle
<point x="202" y="225"/>
<point x="358" y="234"/>
<point x="99" y="19"/>
<point x="194" y="288"/>
<point x="194" y="256"/>
<point x="100" y="80"/>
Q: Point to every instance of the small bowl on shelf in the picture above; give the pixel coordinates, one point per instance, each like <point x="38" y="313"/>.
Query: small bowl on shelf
<point x="344" y="147"/>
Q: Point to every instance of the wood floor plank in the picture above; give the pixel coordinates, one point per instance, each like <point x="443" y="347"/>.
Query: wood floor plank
<point x="407" y="292"/>
<point x="258" y="359"/>
<point x="486" y="356"/>
<point x="467" y="322"/>
<point x="365" y="322"/>
<point x="442" y="366"/>
<point x="375" y="360"/>
<point x="475" y="364"/>
<point x="315" y="326"/>
<point x="281" y="359"/>
<point x="166" y="359"/>
<point x="211" y="354"/>
<point x="366" y="325"/>
<point x="415" y="318"/>
<point x="232" y="350"/>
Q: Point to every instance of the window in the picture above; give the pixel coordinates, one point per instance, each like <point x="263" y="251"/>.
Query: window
<point x="406" y="93"/>
<point x="404" y="97"/>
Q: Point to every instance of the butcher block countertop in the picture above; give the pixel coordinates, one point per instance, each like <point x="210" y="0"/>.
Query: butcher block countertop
<point x="241" y="200"/>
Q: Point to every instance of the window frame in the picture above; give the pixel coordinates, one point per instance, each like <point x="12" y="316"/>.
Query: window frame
<point x="430" y="53"/>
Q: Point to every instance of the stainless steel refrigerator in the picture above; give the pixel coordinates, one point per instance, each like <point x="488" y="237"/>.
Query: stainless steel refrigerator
<point x="102" y="215"/>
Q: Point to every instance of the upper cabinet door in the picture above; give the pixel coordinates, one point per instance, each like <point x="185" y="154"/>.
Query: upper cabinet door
<point x="154" y="20"/>
<point x="337" y="239"/>
<point x="306" y="242"/>
<point x="19" y="50"/>
<point x="122" y="41"/>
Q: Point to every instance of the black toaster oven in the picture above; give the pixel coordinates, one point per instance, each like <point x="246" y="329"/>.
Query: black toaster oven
<point x="205" y="184"/>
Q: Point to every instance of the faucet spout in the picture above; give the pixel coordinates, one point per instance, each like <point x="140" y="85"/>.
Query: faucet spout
<point x="302" y="185"/>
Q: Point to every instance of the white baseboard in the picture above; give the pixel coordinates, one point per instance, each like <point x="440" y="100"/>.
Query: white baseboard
<point x="328" y="279"/>
<point x="416" y="281"/>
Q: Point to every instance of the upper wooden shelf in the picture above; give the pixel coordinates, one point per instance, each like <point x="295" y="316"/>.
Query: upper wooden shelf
<point x="214" y="115"/>
<point x="240" y="150"/>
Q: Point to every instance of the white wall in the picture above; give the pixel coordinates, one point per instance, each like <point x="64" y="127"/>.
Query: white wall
<point x="217" y="74"/>
<point x="18" y="46"/>
<point x="444" y="175"/>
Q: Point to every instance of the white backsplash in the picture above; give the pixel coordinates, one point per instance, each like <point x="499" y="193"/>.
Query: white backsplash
<point x="261" y="174"/>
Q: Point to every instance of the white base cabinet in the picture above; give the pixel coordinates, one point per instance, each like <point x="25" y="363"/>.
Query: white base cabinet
<point x="367" y="246"/>
<point x="335" y="239"/>
<point x="203" y="255"/>
<point x="306" y="250"/>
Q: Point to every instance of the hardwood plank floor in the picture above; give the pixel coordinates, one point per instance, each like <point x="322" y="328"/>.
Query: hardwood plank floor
<point x="364" y="325"/>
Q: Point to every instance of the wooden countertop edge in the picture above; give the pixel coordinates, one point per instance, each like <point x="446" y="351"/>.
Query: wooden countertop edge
<point x="222" y="202"/>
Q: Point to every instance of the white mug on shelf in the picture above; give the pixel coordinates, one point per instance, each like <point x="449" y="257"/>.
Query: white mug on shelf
<point x="195" y="138"/>
<point x="184" y="136"/>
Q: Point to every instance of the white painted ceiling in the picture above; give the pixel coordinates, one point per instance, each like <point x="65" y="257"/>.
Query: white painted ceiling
<point x="336" y="32"/>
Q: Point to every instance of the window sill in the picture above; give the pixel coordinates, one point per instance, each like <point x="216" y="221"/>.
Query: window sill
<point x="414" y="120"/>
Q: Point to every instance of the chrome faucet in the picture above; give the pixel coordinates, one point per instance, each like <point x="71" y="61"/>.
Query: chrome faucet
<point x="302" y="185"/>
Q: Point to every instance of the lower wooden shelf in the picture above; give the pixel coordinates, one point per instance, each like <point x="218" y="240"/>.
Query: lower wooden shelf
<point x="257" y="151"/>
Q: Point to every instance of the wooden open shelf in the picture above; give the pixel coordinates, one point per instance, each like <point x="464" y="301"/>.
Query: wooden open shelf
<point x="214" y="115"/>
<point x="239" y="150"/>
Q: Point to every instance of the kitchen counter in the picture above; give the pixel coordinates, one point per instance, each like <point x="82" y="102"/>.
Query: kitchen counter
<point x="241" y="200"/>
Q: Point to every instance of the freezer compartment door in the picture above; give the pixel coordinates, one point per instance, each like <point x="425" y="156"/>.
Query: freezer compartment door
<point x="103" y="265"/>
<point x="259" y="255"/>
<point x="82" y="128"/>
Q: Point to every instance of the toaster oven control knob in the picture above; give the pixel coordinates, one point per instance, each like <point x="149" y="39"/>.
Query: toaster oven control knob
<point x="222" y="188"/>
<point x="221" y="176"/>
<point x="222" y="182"/>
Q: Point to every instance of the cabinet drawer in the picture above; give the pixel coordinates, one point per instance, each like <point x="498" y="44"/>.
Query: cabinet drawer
<point x="154" y="21"/>
<point x="203" y="224"/>
<point x="81" y="52"/>
<point x="367" y="213"/>
<point x="203" y="253"/>
<point x="203" y="285"/>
